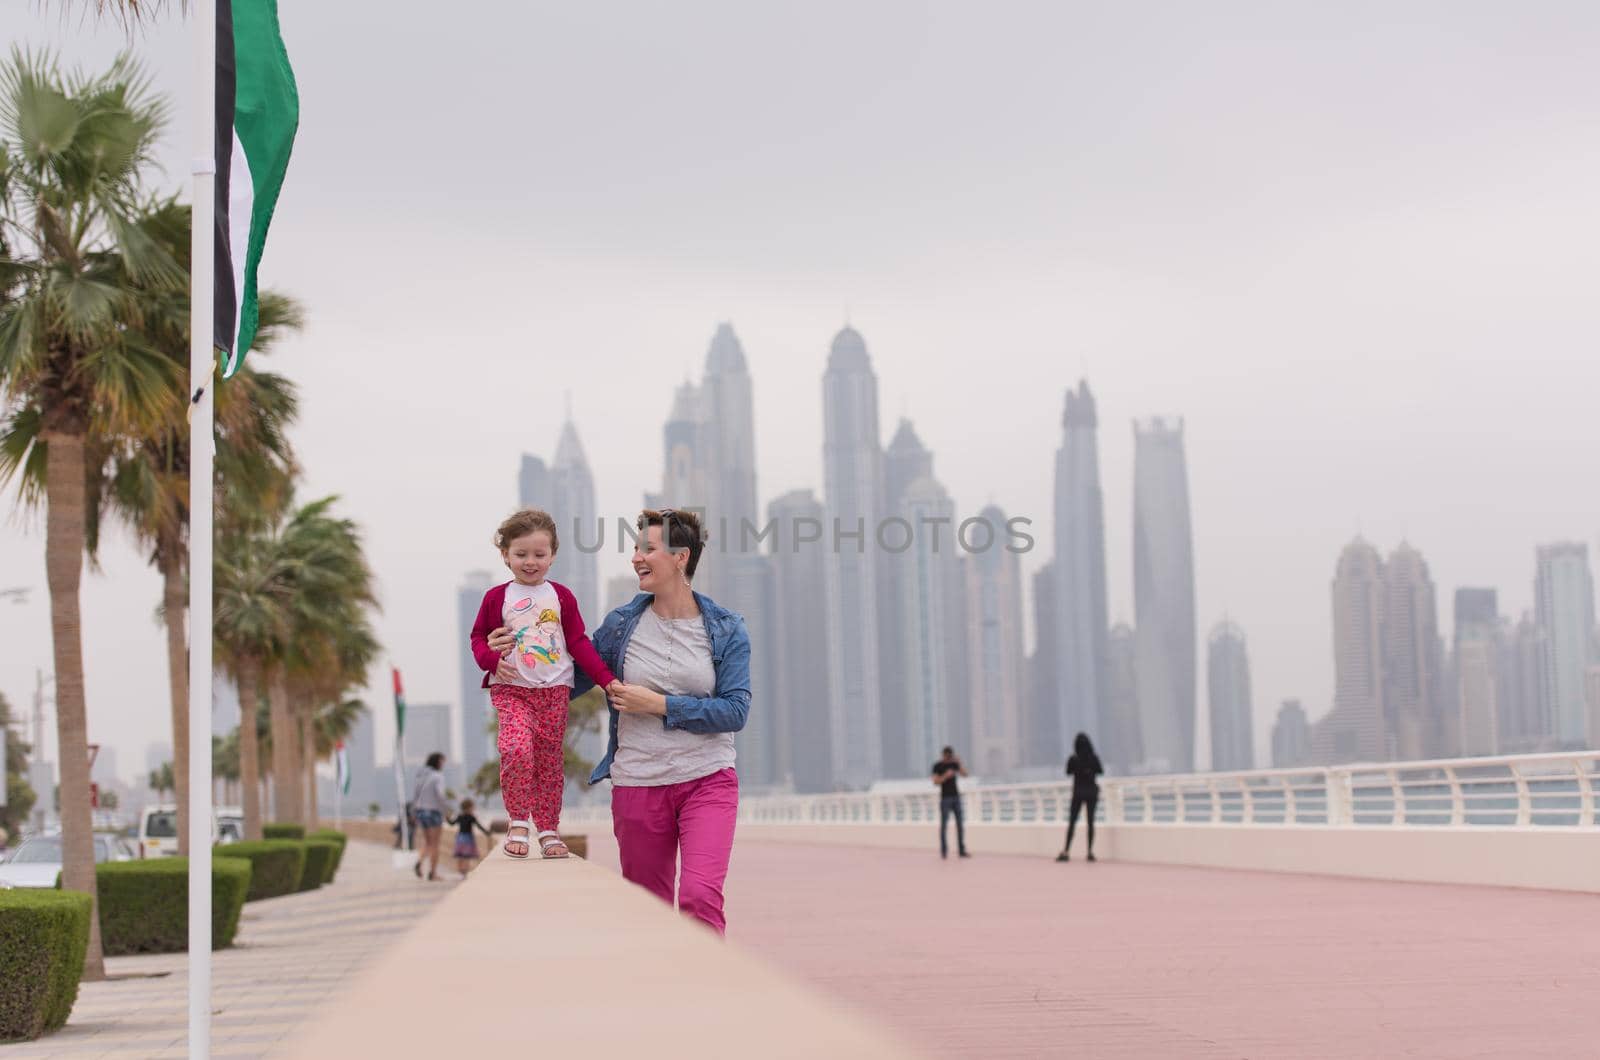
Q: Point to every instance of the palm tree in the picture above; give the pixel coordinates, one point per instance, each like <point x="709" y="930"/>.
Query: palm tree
<point x="75" y="356"/>
<point x="332" y="643"/>
<point x="145" y="481"/>
<point x="289" y="593"/>
<point x="250" y="625"/>
<point x="163" y="780"/>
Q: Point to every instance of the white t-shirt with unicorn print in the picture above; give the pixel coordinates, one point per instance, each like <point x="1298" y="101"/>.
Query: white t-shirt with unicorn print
<point x="533" y="615"/>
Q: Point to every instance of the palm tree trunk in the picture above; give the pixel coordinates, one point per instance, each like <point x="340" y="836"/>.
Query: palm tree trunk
<point x="285" y="750"/>
<point x="175" y="600"/>
<point x="63" y="560"/>
<point x="249" y="752"/>
<point x="308" y="758"/>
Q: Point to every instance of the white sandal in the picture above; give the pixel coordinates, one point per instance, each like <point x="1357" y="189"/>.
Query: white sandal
<point x="552" y="839"/>
<point x="526" y="839"/>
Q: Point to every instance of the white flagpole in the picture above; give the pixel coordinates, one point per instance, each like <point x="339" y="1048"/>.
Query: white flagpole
<point x="202" y="376"/>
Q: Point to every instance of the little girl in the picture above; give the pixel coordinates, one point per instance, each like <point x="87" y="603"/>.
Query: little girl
<point x="466" y="843"/>
<point x="529" y="685"/>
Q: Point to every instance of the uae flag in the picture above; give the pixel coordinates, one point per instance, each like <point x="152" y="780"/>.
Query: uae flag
<point x="258" y="111"/>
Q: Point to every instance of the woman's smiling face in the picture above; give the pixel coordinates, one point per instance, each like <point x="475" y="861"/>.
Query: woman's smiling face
<point x="656" y="567"/>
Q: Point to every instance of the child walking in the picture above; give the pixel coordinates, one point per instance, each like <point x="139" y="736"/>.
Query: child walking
<point x="530" y="684"/>
<point x="466" y="843"/>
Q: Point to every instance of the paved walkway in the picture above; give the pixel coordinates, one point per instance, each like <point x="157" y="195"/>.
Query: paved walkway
<point x="1016" y="957"/>
<point x="290" y="955"/>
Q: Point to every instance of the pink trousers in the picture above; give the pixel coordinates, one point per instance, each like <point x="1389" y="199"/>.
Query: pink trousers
<point x="533" y="726"/>
<point x="694" y="820"/>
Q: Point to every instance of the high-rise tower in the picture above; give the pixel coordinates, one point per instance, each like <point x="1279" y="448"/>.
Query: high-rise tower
<point x="852" y="460"/>
<point x="1228" y="697"/>
<point x="1357" y="728"/>
<point x="1163" y="595"/>
<point x="1080" y="590"/>
<point x="1564" y="607"/>
<point x="994" y="650"/>
<point x="1410" y="656"/>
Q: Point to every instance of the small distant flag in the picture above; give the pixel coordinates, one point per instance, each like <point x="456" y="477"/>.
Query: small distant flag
<point x="341" y="768"/>
<point x="399" y="709"/>
<point x="258" y="112"/>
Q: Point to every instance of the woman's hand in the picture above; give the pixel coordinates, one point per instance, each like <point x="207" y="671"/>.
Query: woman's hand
<point x="502" y="641"/>
<point x="507" y="670"/>
<point x="637" y="699"/>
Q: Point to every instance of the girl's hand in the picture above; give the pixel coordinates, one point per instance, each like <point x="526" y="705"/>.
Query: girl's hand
<point x="636" y="699"/>
<point x="507" y="670"/>
<point x="502" y="641"/>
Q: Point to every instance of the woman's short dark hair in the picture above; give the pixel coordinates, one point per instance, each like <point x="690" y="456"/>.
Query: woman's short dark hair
<point x="436" y="760"/>
<point x="680" y="530"/>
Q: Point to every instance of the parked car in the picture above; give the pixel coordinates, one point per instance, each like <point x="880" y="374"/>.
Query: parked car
<point x="158" y="831"/>
<point x="230" y="824"/>
<point x="37" y="862"/>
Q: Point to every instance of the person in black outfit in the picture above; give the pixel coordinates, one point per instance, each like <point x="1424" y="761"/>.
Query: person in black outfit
<point x="466" y="845"/>
<point x="1083" y="767"/>
<point x="945" y="771"/>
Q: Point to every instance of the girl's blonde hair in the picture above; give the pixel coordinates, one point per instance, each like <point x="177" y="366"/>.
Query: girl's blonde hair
<point x="523" y="523"/>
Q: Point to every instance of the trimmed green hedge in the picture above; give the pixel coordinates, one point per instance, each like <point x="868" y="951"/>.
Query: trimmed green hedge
<point x="43" y="938"/>
<point x="335" y="836"/>
<point x="283" y="830"/>
<point x="276" y="865"/>
<point x="319" y="863"/>
<point x="144" y="905"/>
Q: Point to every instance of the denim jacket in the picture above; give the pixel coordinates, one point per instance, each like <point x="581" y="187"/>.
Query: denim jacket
<point x="729" y="705"/>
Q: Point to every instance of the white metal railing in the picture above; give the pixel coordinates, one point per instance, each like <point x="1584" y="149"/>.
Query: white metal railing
<point x="1524" y="791"/>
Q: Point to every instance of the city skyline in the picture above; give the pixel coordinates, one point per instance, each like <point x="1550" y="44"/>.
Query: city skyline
<point x="1447" y="254"/>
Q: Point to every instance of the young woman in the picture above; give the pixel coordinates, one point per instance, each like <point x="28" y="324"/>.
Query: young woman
<point x="1083" y="767"/>
<point x="432" y="804"/>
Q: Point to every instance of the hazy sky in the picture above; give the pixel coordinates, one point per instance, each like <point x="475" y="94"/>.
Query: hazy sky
<point x="1353" y="245"/>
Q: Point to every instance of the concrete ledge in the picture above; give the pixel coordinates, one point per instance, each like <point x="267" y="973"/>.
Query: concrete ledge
<point x="564" y="958"/>
<point x="1550" y="859"/>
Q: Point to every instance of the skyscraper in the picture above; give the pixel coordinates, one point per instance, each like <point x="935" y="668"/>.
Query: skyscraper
<point x="931" y="625"/>
<point x="1228" y="687"/>
<point x="1521" y="723"/>
<point x="798" y="703"/>
<point x="994" y="650"/>
<point x="1041" y="718"/>
<point x="361" y="751"/>
<point x="852" y="460"/>
<point x="683" y="470"/>
<point x="1356" y="729"/>
<point x="710" y="465"/>
<point x="1080" y="569"/>
<point x="1564" y="604"/>
<point x="565" y="489"/>
<point x="905" y="461"/>
<point x="533" y="483"/>
<point x="1122" y="692"/>
<point x="730" y="438"/>
<point x="1475" y="662"/>
<point x="1291" y="736"/>
<point x="477" y="716"/>
<point x="427" y="731"/>
<point x="1411" y="656"/>
<point x="1163" y="595"/>
<point x="577" y="563"/>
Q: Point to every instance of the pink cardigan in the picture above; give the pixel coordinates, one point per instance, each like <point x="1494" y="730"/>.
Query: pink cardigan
<point x="490" y="617"/>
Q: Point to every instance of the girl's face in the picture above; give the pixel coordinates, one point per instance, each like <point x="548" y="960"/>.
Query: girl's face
<point x="657" y="568"/>
<point x="529" y="557"/>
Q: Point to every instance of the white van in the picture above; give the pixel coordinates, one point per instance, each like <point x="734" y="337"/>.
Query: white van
<point x="158" y="829"/>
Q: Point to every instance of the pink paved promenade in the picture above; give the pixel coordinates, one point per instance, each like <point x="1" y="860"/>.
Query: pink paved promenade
<point x="1005" y="956"/>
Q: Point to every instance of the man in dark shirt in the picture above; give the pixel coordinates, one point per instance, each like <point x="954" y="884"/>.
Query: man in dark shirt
<point x="945" y="771"/>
